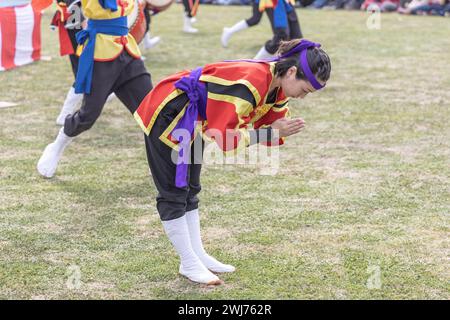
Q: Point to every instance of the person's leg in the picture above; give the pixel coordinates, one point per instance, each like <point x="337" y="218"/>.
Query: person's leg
<point x="187" y="8"/>
<point x="447" y="10"/>
<point x="256" y="15"/>
<point x="171" y="201"/>
<point x="294" y="25"/>
<point x="420" y="9"/>
<point x="133" y="84"/>
<point x="271" y="46"/>
<point x="73" y="100"/>
<point x="437" y="9"/>
<point x="242" y="25"/>
<point x="103" y="78"/>
<point x="187" y="26"/>
<point x="149" y="42"/>
<point x="192" y="212"/>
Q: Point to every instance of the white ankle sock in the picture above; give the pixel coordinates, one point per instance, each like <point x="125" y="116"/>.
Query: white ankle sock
<point x="193" y="222"/>
<point x="48" y="163"/>
<point x="263" y="54"/>
<point x="228" y="32"/>
<point x="191" y="266"/>
<point x="70" y="104"/>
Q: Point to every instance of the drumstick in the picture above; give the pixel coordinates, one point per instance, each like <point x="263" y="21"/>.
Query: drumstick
<point x="194" y="7"/>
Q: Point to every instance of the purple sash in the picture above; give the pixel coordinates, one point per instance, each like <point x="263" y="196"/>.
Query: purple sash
<point x="196" y="92"/>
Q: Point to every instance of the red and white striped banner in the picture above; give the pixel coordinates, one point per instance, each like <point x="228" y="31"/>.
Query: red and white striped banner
<point x="20" y="36"/>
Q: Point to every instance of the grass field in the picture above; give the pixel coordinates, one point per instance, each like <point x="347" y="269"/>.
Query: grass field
<point x="359" y="209"/>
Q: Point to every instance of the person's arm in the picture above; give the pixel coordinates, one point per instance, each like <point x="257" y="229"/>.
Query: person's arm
<point x="279" y="130"/>
<point x="278" y="111"/>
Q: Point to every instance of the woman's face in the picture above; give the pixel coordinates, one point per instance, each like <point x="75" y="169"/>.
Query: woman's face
<point x="295" y="88"/>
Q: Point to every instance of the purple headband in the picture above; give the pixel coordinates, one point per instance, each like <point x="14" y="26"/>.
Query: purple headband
<point x="303" y="47"/>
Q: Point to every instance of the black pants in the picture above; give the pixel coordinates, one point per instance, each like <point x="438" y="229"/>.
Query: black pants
<point x="187" y="8"/>
<point x="148" y="20"/>
<point x="172" y="202"/>
<point x="293" y="31"/>
<point x="125" y="76"/>
<point x="73" y="57"/>
<point x="256" y="15"/>
<point x="74" y="64"/>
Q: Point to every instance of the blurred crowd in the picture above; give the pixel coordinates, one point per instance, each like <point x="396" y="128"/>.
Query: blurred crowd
<point x="414" y="7"/>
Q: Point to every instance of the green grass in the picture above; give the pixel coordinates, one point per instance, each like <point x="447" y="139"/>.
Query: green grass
<point x="365" y="185"/>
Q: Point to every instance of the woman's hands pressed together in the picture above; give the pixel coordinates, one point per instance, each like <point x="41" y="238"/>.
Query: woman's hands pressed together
<point x="286" y="127"/>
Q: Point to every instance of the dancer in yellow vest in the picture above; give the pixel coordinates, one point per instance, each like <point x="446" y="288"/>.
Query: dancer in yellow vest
<point x="109" y="63"/>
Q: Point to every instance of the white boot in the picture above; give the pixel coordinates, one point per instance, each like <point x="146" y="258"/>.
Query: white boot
<point x="52" y="153"/>
<point x="193" y="221"/>
<point x="228" y="32"/>
<point x="263" y="54"/>
<point x="70" y="104"/>
<point x="188" y="25"/>
<point x="190" y="266"/>
<point x="150" y="42"/>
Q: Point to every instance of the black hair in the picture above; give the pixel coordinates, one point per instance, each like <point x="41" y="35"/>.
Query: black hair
<point x="318" y="61"/>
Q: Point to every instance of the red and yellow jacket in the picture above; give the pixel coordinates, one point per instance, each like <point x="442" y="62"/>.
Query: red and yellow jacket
<point x="237" y="98"/>
<point x="271" y="4"/>
<point x="109" y="47"/>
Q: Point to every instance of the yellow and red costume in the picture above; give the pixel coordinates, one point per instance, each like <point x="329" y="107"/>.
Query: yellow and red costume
<point x="108" y="47"/>
<point x="230" y="97"/>
<point x="237" y="98"/>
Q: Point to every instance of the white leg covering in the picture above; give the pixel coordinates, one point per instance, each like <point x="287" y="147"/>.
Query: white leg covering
<point x="228" y="32"/>
<point x="263" y="54"/>
<point x="49" y="160"/>
<point x="111" y="97"/>
<point x="150" y="42"/>
<point x="191" y="266"/>
<point x="193" y="221"/>
<point x="188" y="25"/>
<point x="70" y="104"/>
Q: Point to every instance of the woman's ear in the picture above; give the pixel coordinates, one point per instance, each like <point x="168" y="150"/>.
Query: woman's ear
<point x="292" y="71"/>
